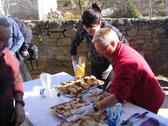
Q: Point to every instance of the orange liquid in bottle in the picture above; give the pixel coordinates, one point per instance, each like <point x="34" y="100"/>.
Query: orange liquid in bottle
<point x="80" y="72"/>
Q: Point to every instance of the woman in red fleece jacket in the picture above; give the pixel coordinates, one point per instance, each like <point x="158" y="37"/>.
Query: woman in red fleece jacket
<point x="11" y="83"/>
<point x="133" y="80"/>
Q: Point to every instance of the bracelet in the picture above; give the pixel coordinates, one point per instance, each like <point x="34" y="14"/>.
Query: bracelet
<point x="20" y="102"/>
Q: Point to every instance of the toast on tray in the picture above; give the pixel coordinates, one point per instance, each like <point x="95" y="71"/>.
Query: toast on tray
<point x="76" y="87"/>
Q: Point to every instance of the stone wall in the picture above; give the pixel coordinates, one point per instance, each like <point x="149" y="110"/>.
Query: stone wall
<point x="53" y="39"/>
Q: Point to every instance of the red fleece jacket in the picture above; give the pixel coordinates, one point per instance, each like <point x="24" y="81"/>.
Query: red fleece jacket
<point x="134" y="80"/>
<point x="10" y="69"/>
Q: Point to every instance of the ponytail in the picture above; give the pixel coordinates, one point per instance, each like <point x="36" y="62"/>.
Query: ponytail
<point x="91" y="16"/>
<point x="96" y="7"/>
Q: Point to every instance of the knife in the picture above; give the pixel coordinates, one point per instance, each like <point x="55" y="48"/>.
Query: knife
<point x="142" y="115"/>
<point x="124" y="122"/>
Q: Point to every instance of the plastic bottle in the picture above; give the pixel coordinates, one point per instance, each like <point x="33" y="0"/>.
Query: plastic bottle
<point x="45" y="84"/>
<point x="114" y="116"/>
<point x="44" y="92"/>
<point x="80" y="71"/>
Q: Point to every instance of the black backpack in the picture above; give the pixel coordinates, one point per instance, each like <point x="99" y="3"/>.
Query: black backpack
<point x="33" y="52"/>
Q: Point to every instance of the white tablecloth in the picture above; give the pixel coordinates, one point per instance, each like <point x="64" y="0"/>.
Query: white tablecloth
<point x="37" y="107"/>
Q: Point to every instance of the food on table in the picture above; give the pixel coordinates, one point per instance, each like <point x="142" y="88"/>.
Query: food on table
<point x="94" y="94"/>
<point x="65" y="110"/>
<point x="88" y="120"/>
<point x="92" y="97"/>
<point x="75" y="87"/>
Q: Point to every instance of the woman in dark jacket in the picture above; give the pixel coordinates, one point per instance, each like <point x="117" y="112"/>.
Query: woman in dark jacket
<point x="91" y="22"/>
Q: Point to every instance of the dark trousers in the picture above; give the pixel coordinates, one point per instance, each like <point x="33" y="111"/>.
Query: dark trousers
<point x="24" y="71"/>
<point x="6" y="100"/>
<point x="97" y="70"/>
<point x="23" y="68"/>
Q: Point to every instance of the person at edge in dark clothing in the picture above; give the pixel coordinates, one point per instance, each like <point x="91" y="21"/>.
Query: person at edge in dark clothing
<point x="11" y="83"/>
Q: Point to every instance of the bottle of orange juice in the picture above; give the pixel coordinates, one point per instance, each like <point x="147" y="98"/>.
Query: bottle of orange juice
<point x="80" y="70"/>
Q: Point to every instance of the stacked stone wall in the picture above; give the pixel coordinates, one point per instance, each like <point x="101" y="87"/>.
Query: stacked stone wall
<point x="54" y="37"/>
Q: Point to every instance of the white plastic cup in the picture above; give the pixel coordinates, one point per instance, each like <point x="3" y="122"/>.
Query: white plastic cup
<point x="45" y="79"/>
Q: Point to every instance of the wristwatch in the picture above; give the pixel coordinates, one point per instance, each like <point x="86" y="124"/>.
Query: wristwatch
<point x="20" y="102"/>
<point x="94" y="105"/>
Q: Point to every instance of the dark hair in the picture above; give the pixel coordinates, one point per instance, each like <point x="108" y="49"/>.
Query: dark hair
<point x="91" y="16"/>
<point x="4" y="22"/>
